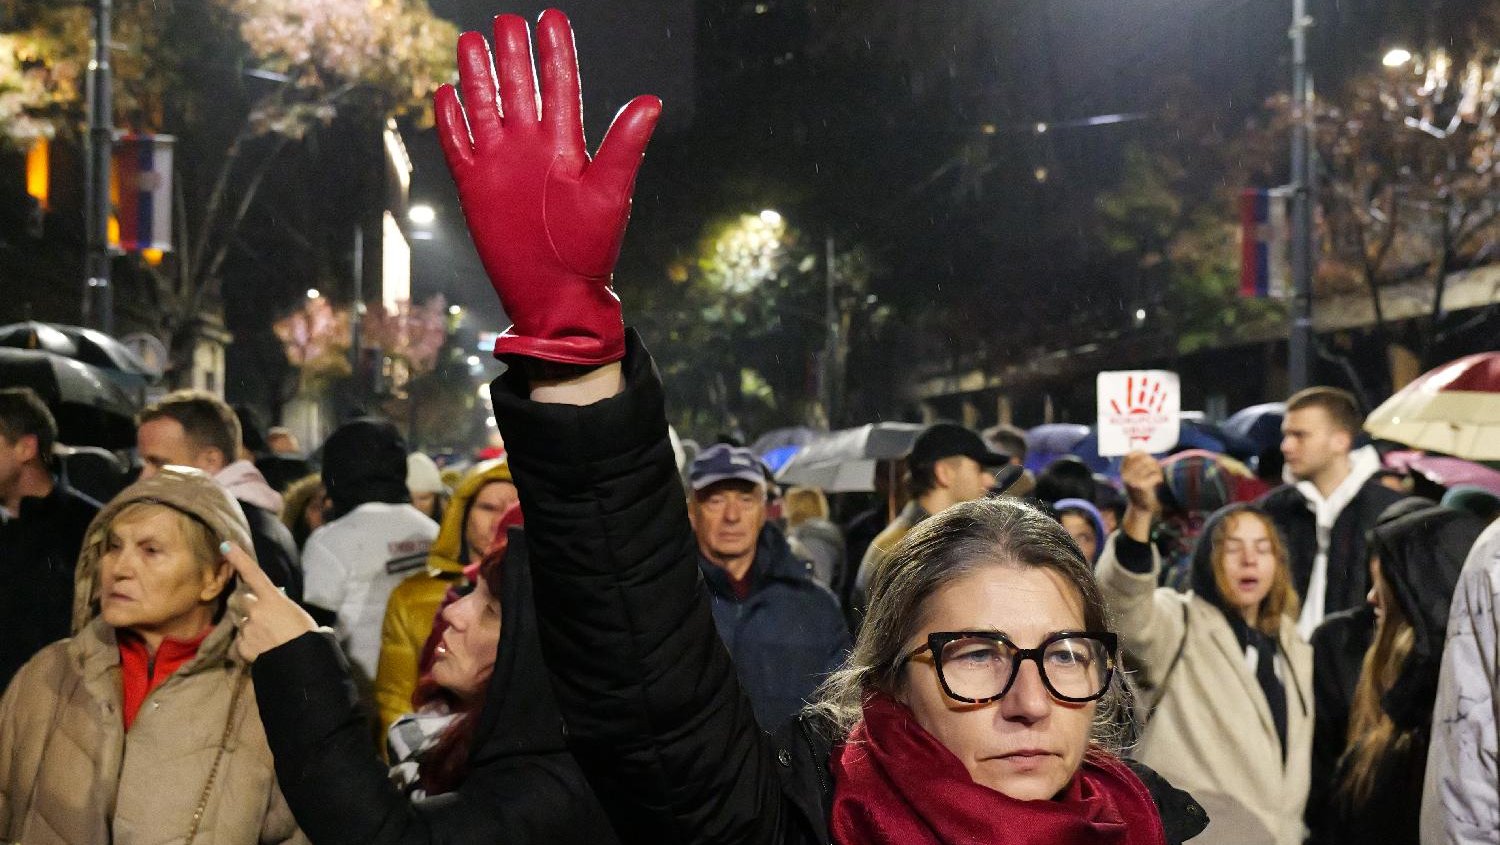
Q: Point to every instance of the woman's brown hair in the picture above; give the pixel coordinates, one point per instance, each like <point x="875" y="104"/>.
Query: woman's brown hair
<point x="1281" y="600"/>
<point x="942" y="549"/>
<point x="1373" y="736"/>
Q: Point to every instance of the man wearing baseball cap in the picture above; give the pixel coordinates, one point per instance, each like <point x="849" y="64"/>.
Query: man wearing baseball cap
<point x="948" y="464"/>
<point x="783" y="629"/>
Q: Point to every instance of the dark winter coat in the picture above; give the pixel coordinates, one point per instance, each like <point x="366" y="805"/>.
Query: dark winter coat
<point x="1421" y="554"/>
<point x="1348" y="570"/>
<point x="786" y="636"/>
<point x="1339" y="645"/>
<point x="656" y="717"/>
<point x="275" y="549"/>
<point x="523" y="785"/>
<point x="38" y="552"/>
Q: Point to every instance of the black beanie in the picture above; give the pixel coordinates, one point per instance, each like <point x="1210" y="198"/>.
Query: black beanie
<point x="364" y="461"/>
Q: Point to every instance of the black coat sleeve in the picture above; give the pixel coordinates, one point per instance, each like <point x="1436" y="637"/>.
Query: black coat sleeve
<point x="654" y="712"/>
<point x="337" y="787"/>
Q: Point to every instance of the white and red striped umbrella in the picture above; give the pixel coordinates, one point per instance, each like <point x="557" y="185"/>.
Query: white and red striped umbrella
<point x="1454" y="409"/>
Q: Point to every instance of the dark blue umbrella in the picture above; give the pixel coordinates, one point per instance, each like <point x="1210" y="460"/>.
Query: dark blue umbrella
<point x="1047" y="443"/>
<point x="1255" y="429"/>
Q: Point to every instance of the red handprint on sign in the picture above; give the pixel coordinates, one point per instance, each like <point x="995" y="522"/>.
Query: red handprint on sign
<point x="1144" y="401"/>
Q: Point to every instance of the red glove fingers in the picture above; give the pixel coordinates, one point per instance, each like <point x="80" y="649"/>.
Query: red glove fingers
<point x="547" y="222"/>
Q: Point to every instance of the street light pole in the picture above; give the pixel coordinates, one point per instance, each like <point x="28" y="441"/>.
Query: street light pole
<point x="1300" y="342"/>
<point x="98" y="295"/>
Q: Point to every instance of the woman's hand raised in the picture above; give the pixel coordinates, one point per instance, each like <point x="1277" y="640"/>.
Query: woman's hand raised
<point x="547" y="221"/>
<point x="1142" y="476"/>
<point x="265" y="616"/>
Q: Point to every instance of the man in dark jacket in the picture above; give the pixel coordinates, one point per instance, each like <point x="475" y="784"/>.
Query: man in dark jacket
<point x="41" y="532"/>
<point x="1331" y="504"/>
<point x="197" y="429"/>
<point x="783" y="629"/>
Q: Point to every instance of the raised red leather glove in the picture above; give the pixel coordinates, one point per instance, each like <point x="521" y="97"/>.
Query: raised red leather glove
<point x="547" y="221"/>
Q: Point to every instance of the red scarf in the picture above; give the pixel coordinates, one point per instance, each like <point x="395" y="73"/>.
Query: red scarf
<point x="141" y="671"/>
<point x="897" y="784"/>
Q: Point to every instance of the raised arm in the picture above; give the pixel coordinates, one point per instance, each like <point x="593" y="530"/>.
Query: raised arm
<point x="654" y="713"/>
<point x="1149" y="619"/>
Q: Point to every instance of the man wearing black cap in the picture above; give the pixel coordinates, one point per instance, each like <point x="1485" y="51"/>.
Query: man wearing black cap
<point x="783" y="629"/>
<point x="948" y="464"/>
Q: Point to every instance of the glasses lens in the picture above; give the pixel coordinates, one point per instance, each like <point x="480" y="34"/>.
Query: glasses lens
<point x="1077" y="667"/>
<point x="979" y="668"/>
<point x="976" y="667"/>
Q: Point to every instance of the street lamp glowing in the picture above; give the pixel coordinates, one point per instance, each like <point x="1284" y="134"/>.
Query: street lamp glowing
<point x="1396" y="57"/>
<point x="455" y="310"/>
<point x="770" y="217"/>
<point x="313" y="293"/>
<point x="422" y="215"/>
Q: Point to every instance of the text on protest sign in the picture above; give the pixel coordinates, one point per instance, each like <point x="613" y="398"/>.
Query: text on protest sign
<point x="1138" y="409"/>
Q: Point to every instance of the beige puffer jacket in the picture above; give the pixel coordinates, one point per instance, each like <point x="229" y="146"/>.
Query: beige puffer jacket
<point x="195" y="758"/>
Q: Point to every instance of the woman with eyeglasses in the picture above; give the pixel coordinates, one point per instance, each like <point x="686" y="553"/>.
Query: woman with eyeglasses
<point x="968" y="709"/>
<point x="1226" y="676"/>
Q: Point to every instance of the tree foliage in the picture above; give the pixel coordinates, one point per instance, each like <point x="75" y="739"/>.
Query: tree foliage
<point x="1407" y="179"/>
<point x="270" y="101"/>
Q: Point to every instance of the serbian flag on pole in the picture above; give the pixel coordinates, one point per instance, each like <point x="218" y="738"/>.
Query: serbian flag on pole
<point x="142" y="166"/>
<point x="1263" y="242"/>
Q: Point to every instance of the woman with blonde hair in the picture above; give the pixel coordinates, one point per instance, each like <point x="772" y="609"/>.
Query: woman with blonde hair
<point x="810" y="531"/>
<point x="1221" y="669"/>
<point x="142" y="728"/>
<point x="1416" y="554"/>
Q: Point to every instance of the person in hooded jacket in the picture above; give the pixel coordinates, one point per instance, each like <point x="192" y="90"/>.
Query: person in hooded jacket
<point x="655" y="714"/>
<point x="1227" y="678"/>
<point x="1084" y="523"/>
<point x="141" y="729"/>
<point x="1415" y="561"/>
<point x="481" y="498"/>
<point x="484" y="761"/>
<point x="1339" y="646"/>
<point x="195" y="428"/>
<point x="373" y="540"/>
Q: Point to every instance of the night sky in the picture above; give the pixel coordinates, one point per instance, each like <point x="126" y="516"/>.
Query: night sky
<point x="1074" y="58"/>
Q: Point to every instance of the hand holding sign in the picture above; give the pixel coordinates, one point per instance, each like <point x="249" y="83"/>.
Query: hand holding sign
<point x="1142" y="476"/>
<point x="265" y="616"/>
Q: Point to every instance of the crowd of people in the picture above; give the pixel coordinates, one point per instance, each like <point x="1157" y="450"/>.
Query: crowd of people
<point x="592" y="639"/>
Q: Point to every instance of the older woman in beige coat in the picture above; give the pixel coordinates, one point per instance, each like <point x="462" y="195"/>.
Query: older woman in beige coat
<point x="1226" y="676"/>
<point x="142" y="728"/>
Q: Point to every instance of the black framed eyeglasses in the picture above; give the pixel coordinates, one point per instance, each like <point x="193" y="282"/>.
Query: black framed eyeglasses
<point x="977" y="667"/>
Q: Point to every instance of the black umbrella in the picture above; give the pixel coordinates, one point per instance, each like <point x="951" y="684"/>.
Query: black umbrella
<point x="34" y="335"/>
<point x="91" y="409"/>
<point x="90" y="346"/>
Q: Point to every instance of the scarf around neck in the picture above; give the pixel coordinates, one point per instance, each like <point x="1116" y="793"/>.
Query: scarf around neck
<point x="897" y="784"/>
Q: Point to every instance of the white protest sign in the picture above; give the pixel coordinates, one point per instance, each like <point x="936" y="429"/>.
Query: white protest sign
<point x="1138" y="409"/>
